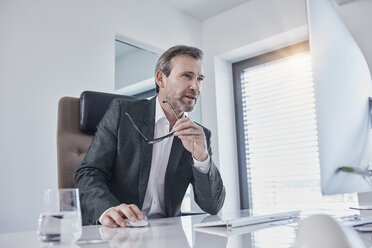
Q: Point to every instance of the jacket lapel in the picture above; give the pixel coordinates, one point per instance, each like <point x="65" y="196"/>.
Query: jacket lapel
<point x="148" y="130"/>
<point x="174" y="160"/>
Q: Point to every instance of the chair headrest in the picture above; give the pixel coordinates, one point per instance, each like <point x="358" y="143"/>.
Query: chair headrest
<point x="93" y="106"/>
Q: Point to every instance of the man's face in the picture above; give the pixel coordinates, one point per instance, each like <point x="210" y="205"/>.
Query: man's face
<point x="183" y="85"/>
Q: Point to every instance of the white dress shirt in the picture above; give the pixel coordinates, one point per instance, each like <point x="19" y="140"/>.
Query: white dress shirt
<point x="154" y="202"/>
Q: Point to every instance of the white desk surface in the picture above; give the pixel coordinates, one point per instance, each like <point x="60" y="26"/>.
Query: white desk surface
<point x="175" y="232"/>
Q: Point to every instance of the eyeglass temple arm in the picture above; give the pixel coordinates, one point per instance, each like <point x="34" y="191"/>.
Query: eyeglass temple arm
<point x="135" y="127"/>
<point x="150" y="142"/>
<point x="170" y="105"/>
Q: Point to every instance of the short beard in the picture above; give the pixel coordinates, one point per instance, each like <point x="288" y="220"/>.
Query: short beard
<point x="179" y="105"/>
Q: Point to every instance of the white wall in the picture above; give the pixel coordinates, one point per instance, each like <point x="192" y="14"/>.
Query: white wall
<point x="50" y="49"/>
<point x="253" y="28"/>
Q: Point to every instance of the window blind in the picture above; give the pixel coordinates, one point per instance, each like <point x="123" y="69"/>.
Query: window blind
<point x="280" y="133"/>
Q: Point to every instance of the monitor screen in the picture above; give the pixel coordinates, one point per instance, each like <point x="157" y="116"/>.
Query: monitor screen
<point x="342" y="89"/>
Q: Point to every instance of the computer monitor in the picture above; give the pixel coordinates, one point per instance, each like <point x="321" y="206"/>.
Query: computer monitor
<point x="343" y="87"/>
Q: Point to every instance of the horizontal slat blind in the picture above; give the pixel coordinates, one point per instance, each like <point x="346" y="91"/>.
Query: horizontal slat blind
<point x="281" y="137"/>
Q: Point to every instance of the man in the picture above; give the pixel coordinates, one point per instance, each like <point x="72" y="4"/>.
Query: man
<point x="123" y="176"/>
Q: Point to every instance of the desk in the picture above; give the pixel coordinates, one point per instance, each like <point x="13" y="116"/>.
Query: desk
<point x="173" y="232"/>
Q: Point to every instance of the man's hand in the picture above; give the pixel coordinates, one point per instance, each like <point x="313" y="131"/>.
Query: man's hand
<point x="115" y="216"/>
<point x="192" y="137"/>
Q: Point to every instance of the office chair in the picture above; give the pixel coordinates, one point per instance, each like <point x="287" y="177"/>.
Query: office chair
<point x="77" y="122"/>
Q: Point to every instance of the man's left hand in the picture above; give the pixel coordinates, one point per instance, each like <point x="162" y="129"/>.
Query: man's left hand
<point x="192" y="137"/>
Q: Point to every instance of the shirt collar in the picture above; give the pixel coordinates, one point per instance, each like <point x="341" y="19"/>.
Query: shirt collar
<point x="159" y="112"/>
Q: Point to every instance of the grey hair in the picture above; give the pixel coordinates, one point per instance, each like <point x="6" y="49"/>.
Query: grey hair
<point x="164" y="62"/>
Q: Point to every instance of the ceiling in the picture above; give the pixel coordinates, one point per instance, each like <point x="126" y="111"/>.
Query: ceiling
<point x="203" y="9"/>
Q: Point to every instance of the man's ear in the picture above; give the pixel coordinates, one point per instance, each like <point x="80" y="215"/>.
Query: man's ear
<point x="160" y="78"/>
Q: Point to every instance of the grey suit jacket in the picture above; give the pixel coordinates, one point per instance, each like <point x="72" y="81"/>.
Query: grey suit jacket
<point x="117" y="165"/>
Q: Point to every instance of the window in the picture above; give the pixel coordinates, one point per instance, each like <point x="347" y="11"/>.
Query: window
<point x="277" y="134"/>
<point x="134" y="70"/>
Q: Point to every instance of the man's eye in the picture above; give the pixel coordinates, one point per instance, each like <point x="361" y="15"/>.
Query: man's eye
<point x="187" y="75"/>
<point x="200" y="79"/>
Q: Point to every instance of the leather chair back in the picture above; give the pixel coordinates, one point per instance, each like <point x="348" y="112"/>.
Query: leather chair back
<point x="76" y="125"/>
<point x="72" y="144"/>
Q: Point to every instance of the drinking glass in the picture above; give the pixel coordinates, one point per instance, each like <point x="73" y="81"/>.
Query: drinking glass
<point x="60" y="221"/>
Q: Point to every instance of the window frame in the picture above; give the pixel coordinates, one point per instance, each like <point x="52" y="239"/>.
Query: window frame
<point x="237" y="69"/>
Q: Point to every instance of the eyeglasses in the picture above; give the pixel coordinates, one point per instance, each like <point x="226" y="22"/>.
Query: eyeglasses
<point x="156" y="140"/>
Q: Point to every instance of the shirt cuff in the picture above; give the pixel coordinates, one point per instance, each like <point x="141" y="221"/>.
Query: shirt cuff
<point x="100" y="218"/>
<point x="204" y="166"/>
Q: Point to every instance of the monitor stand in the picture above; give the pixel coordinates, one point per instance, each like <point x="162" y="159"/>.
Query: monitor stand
<point x="364" y="173"/>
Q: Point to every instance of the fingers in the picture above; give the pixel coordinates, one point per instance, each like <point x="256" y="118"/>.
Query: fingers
<point x="108" y="221"/>
<point x="137" y="212"/>
<point x="187" y="127"/>
<point x="188" y="137"/>
<point x="189" y="132"/>
<point x="115" y="216"/>
<point x="183" y="123"/>
<point x="192" y="137"/>
<point x="193" y="133"/>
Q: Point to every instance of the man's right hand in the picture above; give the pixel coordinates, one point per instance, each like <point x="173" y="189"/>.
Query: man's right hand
<point x="115" y="216"/>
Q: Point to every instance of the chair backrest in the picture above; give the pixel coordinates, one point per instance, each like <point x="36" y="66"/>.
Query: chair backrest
<point x="72" y="144"/>
<point x="76" y="125"/>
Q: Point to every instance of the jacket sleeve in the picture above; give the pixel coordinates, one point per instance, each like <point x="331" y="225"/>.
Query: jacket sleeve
<point x="92" y="177"/>
<point x="209" y="192"/>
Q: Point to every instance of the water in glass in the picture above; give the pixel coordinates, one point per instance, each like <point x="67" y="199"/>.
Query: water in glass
<point x="62" y="227"/>
<point x="60" y="223"/>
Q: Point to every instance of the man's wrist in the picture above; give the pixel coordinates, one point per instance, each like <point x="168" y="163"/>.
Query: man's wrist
<point x="203" y="166"/>
<point x="202" y="157"/>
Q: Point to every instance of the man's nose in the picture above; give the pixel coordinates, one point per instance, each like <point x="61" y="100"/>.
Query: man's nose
<point x="195" y="85"/>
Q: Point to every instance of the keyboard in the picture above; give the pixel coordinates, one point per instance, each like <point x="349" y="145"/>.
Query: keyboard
<point x="250" y="220"/>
